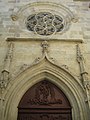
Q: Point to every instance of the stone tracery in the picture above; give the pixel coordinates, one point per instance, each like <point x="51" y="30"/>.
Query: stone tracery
<point x="45" y="23"/>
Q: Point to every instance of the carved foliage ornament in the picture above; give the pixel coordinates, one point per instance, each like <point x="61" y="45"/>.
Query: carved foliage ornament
<point x="45" y="23"/>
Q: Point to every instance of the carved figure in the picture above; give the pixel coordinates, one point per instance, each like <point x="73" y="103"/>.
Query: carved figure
<point x="45" y="46"/>
<point x="45" y="94"/>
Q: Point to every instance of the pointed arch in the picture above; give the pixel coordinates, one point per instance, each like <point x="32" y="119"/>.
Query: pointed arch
<point x="58" y="76"/>
<point x="44" y="98"/>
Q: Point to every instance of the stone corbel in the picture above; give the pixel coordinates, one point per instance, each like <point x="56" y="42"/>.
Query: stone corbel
<point x="83" y="73"/>
<point x="5" y="74"/>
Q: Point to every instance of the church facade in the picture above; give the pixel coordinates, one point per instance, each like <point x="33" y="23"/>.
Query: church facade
<point x="44" y="60"/>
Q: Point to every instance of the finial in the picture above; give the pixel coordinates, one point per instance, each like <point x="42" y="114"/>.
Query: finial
<point x="45" y="46"/>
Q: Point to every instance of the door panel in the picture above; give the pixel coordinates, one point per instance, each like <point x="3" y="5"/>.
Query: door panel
<point x="44" y="116"/>
<point x="44" y="101"/>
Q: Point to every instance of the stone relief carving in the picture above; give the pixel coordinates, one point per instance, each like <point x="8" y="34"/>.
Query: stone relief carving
<point x="14" y="17"/>
<point x="20" y="70"/>
<point x="80" y="60"/>
<point x="84" y="77"/>
<point x="45" y="23"/>
<point x="5" y="74"/>
<point x="45" y="46"/>
<point x="65" y="67"/>
<point x="23" y="67"/>
<point x="45" y="51"/>
<point x="87" y="85"/>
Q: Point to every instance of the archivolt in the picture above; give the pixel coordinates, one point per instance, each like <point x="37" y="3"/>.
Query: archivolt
<point x="57" y="75"/>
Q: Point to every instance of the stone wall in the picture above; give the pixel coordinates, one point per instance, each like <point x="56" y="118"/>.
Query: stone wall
<point x="78" y="30"/>
<point x="19" y="48"/>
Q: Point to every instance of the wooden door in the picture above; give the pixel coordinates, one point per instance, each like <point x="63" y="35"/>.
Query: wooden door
<point x="44" y="101"/>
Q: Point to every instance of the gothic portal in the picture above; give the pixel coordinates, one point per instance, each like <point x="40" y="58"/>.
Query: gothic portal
<point x="45" y="60"/>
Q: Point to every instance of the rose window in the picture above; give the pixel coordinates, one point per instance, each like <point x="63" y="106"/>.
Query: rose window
<point x="45" y="23"/>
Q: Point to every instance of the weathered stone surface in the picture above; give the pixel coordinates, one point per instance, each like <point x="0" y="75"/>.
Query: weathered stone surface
<point x="62" y="51"/>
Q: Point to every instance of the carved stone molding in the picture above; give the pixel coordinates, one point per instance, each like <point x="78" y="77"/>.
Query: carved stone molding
<point x="87" y="85"/>
<point x="4" y="79"/>
<point x="2" y="101"/>
<point x="80" y="60"/>
<point x="53" y="72"/>
<point x="59" y="76"/>
<point x="84" y="74"/>
<point x="58" y="16"/>
<point x="41" y="39"/>
<point x="5" y="74"/>
<point x="44" y="57"/>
